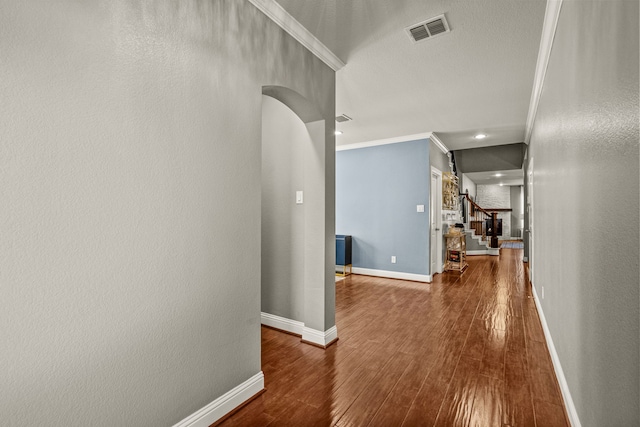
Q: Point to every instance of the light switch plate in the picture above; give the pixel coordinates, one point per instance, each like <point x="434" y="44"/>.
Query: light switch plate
<point x="299" y="198"/>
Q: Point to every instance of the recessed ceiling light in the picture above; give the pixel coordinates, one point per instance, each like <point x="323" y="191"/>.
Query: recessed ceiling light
<point x="501" y="184"/>
<point x="338" y="132"/>
<point x="480" y="136"/>
<point x="498" y="175"/>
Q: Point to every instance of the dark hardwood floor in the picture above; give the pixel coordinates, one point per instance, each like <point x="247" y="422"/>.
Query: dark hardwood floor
<point x="465" y="350"/>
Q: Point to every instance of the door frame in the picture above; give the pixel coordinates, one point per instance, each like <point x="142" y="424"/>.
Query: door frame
<point x="435" y="212"/>
<point x="529" y="207"/>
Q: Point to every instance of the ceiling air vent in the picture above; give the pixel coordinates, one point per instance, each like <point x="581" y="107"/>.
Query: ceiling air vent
<point x="428" y="29"/>
<point x="343" y="118"/>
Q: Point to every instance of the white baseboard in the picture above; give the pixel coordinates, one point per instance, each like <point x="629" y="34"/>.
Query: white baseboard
<point x="224" y="404"/>
<point x="318" y="337"/>
<point x="393" y="274"/>
<point x="488" y="251"/>
<point x="295" y="327"/>
<point x="282" y="323"/>
<point x="564" y="387"/>
<point x="478" y="252"/>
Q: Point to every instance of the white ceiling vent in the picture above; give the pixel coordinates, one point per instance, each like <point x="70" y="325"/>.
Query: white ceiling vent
<point x="428" y="29"/>
<point x="343" y="118"/>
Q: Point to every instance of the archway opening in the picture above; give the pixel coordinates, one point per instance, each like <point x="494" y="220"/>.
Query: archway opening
<point x="298" y="222"/>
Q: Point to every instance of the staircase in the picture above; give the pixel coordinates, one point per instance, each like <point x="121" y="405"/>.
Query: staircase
<point x="477" y="244"/>
<point x="479" y="239"/>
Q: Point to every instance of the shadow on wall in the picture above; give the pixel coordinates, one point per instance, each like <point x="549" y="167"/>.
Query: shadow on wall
<point x="361" y="251"/>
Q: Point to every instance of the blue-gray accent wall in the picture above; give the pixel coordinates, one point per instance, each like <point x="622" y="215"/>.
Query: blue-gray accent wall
<point x="377" y="191"/>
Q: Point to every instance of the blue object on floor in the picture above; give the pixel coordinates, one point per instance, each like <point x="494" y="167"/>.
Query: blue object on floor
<point x="343" y="249"/>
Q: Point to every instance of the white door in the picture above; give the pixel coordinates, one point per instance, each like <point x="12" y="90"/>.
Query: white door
<point x="435" y="208"/>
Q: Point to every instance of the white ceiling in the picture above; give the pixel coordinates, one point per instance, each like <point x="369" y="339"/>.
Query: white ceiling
<point x="477" y="78"/>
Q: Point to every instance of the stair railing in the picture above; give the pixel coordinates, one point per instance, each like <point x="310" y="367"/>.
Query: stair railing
<point x="477" y="218"/>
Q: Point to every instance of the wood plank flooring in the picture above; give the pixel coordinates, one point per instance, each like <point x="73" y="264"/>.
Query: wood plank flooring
<point x="465" y="350"/>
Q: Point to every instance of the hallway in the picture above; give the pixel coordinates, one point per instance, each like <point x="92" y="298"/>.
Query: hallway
<point x="463" y="350"/>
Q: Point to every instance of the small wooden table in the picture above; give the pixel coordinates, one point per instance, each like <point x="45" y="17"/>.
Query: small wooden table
<point x="456" y="259"/>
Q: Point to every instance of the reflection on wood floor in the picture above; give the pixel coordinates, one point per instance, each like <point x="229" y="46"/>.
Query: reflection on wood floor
<point x="465" y="350"/>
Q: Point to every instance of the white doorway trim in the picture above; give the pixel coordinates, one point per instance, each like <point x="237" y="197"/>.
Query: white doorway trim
<point x="435" y="222"/>
<point x="529" y="203"/>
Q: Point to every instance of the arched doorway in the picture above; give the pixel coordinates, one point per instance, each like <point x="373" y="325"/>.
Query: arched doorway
<point x="298" y="217"/>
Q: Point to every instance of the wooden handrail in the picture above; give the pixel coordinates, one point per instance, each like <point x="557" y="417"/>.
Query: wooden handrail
<point x="498" y="210"/>
<point x="475" y="205"/>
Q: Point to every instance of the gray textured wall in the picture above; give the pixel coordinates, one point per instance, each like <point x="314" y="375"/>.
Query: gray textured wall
<point x="130" y="169"/>
<point x="437" y="158"/>
<point x="468" y="184"/>
<point x="503" y="157"/>
<point x="586" y="216"/>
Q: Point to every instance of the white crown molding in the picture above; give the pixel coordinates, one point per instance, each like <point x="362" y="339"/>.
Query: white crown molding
<point x="294" y="28"/>
<point x="224" y="404"/>
<point x="426" y="278"/>
<point x="318" y="337"/>
<point x="282" y="323"/>
<point x="564" y="386"/>
<point x="551" y="16"/>
<point x="439" y="143"/>
<point x="394" y="140"/>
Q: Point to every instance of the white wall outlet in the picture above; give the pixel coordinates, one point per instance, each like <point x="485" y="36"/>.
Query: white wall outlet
<point x="420" y="208"/>
<point x="299" y="197"/>
<point x="393" y="259"/>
